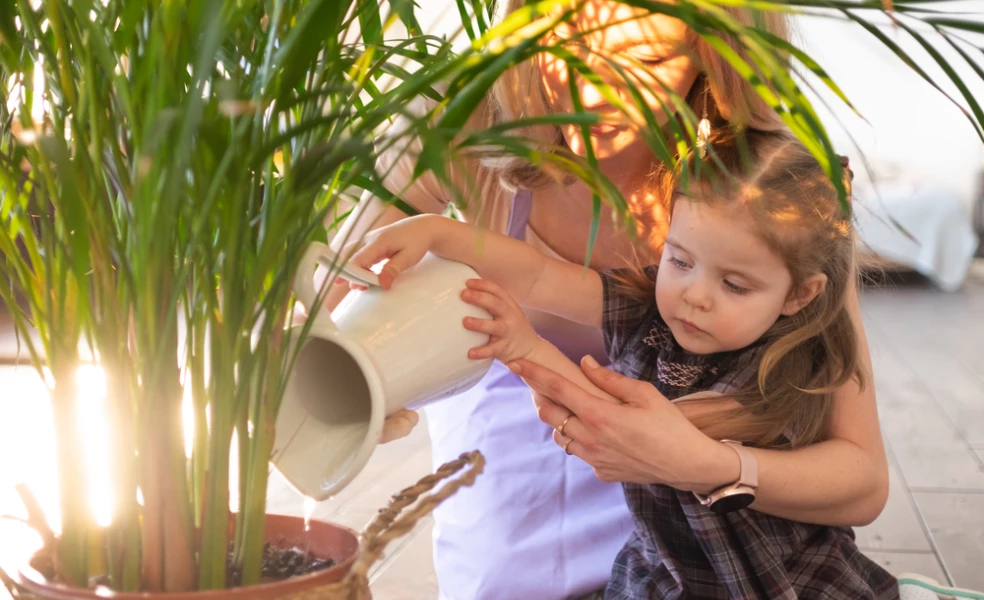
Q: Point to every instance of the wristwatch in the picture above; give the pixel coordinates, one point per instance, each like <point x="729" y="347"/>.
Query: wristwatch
<point x="737" y="495"/>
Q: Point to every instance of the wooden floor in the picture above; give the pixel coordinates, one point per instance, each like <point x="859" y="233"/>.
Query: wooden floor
<point x="928" y="352"/>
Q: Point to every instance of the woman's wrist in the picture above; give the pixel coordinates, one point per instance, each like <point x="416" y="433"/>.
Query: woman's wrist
<point x="720" y="466"/>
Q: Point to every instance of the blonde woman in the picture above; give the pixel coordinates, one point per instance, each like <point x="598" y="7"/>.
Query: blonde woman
<point x="539" y="524"/>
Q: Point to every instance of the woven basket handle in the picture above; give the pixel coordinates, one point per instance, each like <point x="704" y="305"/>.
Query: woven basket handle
<point x="388" y="524"/>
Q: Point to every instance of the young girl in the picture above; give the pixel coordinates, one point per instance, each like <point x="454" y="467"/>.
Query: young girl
<point x="743" y="323"/>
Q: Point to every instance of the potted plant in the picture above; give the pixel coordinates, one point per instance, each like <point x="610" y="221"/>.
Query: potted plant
<point x="162" y="167"/>
<point x="180" y="156"/>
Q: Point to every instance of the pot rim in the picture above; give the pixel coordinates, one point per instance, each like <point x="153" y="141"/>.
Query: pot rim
<point x="33" y="581"/>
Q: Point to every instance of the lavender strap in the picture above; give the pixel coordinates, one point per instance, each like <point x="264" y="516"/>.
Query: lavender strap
<point x="519" y="214"/>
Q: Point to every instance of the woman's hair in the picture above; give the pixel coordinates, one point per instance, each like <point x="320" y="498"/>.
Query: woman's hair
<point x="519" y="93"/>
<point x="772" y="179"/>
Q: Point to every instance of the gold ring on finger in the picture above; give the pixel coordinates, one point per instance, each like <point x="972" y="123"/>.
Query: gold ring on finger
<point x="567" y="446"/>
<point x="560" y="429"/>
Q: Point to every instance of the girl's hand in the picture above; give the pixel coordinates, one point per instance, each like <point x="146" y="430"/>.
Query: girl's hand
<point x="511" y="335"/>
<point x="402" y="245"/>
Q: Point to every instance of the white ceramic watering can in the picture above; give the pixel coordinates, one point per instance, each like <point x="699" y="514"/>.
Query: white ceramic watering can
<point x="380" y="351"/>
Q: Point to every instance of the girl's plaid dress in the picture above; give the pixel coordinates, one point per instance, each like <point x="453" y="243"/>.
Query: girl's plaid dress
<point x="680" y="549"/>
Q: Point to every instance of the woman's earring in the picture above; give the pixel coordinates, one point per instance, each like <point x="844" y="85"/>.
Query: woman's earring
<point x="704" y="128"/>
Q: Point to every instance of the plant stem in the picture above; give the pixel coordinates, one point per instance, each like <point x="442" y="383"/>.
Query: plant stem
<point x="215" y="521"/>
<point x="124" y="536"/>
<point x="168" y="541"/>
<point x="72" y="562"/>
<point x="254" y="509"/>
<point x="199" y="453"/>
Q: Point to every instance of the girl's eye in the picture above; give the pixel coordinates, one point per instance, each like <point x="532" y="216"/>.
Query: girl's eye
<point x="735" y="289"/>
<point x="679" y="263"/>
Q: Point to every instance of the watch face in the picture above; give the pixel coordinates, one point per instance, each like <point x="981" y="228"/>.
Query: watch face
<point x="732" y="502"/>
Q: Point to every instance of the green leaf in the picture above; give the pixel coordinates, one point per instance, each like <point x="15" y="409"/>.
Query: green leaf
<point x="465" y="19"/>
<point x="974" y="26"/>
<point x="901" y="54"/>
<point x="10" y="38"/>
<point x="370" y="23"/>
<point x="306" y="40"/>
<point x="592" y="163"/>
<point x="807" y="61"/>
<point x="975" y="107"/>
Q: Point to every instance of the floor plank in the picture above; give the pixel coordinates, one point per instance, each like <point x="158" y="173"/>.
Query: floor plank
<point x="956" y="522"/>
<point x="896" y="563"/>
<point x="899" y="527"/>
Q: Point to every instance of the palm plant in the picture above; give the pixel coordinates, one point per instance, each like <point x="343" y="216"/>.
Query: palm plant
<point x="164" y="164"/>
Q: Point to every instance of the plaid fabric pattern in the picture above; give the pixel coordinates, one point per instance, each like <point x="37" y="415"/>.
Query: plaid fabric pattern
<point x="680" y="549"/>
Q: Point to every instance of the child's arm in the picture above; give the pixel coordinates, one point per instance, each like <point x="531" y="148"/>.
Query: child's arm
<point x="547" y="355"/>
<point x="533" y="279"/>
<point x="511" y="337"/>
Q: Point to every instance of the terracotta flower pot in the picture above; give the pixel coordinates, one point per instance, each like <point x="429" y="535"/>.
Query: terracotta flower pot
<point x="324" y="540"/>
<point x="347" y="580"/>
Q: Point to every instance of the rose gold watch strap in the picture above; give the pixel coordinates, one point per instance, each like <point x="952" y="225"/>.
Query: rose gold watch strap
<point x="749" y="465"/>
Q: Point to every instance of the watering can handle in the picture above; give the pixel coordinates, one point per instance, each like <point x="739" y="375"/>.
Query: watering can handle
<point x="322" y="254"/>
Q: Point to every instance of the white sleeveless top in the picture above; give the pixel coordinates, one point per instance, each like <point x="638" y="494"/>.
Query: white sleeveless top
<point x="538" y="524"/>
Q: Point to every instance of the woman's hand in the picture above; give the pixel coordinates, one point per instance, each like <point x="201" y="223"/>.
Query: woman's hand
<point x="402" y="245"/>
<point x="399" y="425"/>
<point x="511" y="336"/>
<point x="644" y="440"/>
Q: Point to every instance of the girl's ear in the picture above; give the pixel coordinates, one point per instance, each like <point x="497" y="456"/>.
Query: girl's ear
<point x="804" y="294"/>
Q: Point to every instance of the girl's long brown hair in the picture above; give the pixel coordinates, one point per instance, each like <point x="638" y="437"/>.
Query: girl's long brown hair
<point x="773" y="179"/>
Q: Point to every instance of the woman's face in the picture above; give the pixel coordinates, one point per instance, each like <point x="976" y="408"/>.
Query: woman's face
<point x="653" y="52"/>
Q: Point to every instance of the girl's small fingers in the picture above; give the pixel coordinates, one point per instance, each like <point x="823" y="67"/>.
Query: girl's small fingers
<point x="489" y="302"/>
<point x="491" y="350"/>
<point x="484" y="285"/>
<point x="493" y="289"/>
<point x="493" y="328"/>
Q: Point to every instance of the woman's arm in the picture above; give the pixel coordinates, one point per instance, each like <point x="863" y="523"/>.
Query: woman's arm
<point x="842" y="481"/>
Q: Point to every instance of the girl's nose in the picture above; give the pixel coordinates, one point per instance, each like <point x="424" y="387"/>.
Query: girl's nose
<point x="697" y="295"/>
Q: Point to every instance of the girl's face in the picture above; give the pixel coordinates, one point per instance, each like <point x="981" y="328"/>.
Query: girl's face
<point x="720" y="287"/>
<point x="652" y="50"/>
